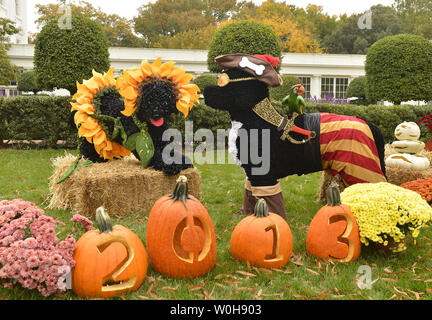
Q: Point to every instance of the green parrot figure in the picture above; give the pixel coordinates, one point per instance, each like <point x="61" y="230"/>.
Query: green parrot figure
<point x="295" y="100"/>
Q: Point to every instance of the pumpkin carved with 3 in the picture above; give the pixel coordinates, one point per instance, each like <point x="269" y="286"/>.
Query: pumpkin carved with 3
<point x="333" y="233"/>
<point x="181" y="240"/>
<point x="263" y="239"/>
<point x="109" y="261"/>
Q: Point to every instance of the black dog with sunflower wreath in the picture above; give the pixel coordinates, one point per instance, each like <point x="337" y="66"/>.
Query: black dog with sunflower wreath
<point x="117" y="117"/>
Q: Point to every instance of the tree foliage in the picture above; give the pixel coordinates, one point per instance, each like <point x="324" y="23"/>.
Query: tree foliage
<point x="65" y="56"/>
<point x="118" y="30"/>
<point x="399" y="68"/>
<point x="352" y="39"/>
<point x="8" y="71"/>
<point x="416" y="16"/>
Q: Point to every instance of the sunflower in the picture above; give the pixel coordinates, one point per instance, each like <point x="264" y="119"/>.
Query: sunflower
<point x="129" y="84"/>
<point x="88" y="126"/>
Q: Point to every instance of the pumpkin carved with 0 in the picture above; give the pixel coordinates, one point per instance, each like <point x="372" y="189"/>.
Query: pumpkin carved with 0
<point x="333" y="233"/>
<point x="109" y="261"/>
<point x="181" y="240"/>
<point x="263" y="239"/>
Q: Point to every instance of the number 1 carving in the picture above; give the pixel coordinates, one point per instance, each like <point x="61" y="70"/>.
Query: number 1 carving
<point x="275" y="255"/>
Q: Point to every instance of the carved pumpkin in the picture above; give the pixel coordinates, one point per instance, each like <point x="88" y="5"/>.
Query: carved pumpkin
<point x="181" y="240"/>
<point x="109" y="261"/>
<point x="407" y="131"/>
<point x="408" y="161"/>
<point x="263" y="239"/>
<point x="333" y="233"/>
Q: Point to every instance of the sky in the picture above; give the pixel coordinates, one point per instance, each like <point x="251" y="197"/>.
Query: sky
<point x="332" y="7"/>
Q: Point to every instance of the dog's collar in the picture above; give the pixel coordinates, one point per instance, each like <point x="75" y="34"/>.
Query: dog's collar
<point x="266" y="111"/>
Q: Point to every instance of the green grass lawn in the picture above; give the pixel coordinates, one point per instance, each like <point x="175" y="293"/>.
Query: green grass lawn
<point x="24" y="174"/>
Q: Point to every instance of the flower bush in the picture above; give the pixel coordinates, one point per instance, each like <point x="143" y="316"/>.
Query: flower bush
<point x="387" y="213"/>
<point x="422" y="187"/>
<point x="30" y="252"/>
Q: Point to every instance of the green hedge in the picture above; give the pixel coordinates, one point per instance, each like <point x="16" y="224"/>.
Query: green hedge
<point x="46" y="118"/>
<point x="38" y="118"/>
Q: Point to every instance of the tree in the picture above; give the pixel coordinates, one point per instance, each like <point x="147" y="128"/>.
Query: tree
<point x="416" y="16"/>
<point x="399" y="68"/>
<point x="118" y="30"/>
<point x="352" y="39"/>
<point x="248" y="37"/>
<point x="191" y="39"/>
<point x="64" y="56"/>
<point x="8" y="71"/>
<point x="27" y="82"/>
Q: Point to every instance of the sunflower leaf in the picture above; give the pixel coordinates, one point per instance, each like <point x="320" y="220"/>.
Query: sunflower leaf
<point x="131" y="141"/>
<point x="144" y="148"/>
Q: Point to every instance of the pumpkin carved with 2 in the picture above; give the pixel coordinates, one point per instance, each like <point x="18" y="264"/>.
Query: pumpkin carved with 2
<point x="263" y="239"/>
<point x="181" y="240"/>
<point x="333" y="233"/>
<point x="109" y="261"/>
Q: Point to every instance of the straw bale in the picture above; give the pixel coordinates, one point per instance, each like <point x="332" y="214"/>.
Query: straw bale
<point x="121" y="186"/>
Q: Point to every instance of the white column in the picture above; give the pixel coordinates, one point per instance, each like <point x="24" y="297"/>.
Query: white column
<point x="316" y="86"/>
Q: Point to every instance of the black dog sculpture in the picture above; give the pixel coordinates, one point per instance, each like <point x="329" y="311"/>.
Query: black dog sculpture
<point x="114" y="116"/>
<point x="295" y="144"/>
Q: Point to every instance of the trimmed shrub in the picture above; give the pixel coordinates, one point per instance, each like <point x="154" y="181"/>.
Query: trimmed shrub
<point x="38" y="118"/>
<point x="357" y="89"/>
<point x="63" y="56"/>
<point x="247" y="37"/>
<point x="399" y="68"/>
<point x="27" y="82"/>
<point x="205" y="80"/>
<point x="278" y="93"/>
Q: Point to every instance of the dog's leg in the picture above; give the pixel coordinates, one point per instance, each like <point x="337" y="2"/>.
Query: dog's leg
<point x="272" y="194"/>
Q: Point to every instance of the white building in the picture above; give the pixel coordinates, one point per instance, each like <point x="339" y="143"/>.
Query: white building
<point x="16" y="11"/>
<point x="322" y="74"/>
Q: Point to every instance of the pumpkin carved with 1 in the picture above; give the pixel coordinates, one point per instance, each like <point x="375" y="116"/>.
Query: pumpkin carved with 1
<point x="109" y="261"/>
<point x="181" y="240"/>
<point x="263" y="239"/>
<point x="333" y="233"/>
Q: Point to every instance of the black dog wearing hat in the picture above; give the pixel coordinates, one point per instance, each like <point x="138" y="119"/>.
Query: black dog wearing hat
<point x="269" y="145"/>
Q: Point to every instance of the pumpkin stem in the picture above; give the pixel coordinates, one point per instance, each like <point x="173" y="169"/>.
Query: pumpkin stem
<point x="103" y="220"/>
<point x="261" y="209"/>
<point x="333" y="195"/>
<point x="181" y="190"/>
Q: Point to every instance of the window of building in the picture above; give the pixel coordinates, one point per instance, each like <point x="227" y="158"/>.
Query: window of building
<point x="341" y="88"/>
<point x="327" y="87"/>
<point x="334" y="87"/>
<point x="307" y="85"/>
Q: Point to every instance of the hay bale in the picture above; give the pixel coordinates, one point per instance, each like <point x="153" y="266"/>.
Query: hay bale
<point x="395" y="176"/>
<point x="121" y="186"/>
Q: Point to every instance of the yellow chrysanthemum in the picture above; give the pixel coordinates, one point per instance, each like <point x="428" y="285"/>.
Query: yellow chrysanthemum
<point x="128" y="84"/>
<point x="383" y="210"/>
<point x="89" y="127"/>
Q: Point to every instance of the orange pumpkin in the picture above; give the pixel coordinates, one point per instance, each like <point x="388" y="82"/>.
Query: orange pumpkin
<point x="109" y="261"/>
<point x="263" y="239"/>
<point x="333" y="233"/>
<point x="181" y="240"/>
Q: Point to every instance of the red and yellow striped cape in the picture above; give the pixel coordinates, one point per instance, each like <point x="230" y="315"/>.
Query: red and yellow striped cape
<point x="348" y="149"/>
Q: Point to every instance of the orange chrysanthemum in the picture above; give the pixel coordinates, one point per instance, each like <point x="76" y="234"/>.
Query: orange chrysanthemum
<point x="88" y="126"/>
<point x="128" y="84"/>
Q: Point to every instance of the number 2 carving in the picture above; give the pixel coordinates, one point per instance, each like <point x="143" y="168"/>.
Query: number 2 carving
<point x="112" y="276"/>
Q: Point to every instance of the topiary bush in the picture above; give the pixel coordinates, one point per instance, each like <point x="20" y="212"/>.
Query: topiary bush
<point x="357" y="89"/>
<point x="278" y="93"/>
<point x="247" y="37"/>
<point x="205" y="80"/>
<point x="64" y="56"/>
<point x="399" y="68"/>
<point x="27" y="82"/>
